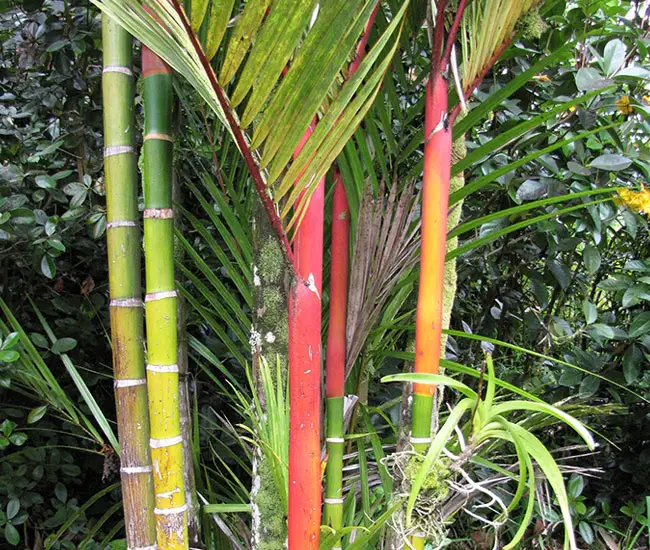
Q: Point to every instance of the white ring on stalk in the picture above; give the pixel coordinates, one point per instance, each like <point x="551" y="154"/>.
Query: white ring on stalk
<point x="120" y="223"/>
<point x="129" y="382"/>
<point x="153" y="296"/>
<point x="170" y="511"/>
<point x="117" y="150"/>
<point x="125" y="302"/>
<point x="162" y="368"/>
<point x="158" y="213"/>
<point x="136" y="469"/>
<point x="117" y="69"/>
<point x="159" y="443"/>
<point x="156" y="135"/>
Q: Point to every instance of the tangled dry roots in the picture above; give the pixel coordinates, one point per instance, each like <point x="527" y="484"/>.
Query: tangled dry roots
<point x="426" y="519"/>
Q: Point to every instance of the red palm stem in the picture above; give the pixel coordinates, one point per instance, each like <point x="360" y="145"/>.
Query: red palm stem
<point x="305" y="375"/>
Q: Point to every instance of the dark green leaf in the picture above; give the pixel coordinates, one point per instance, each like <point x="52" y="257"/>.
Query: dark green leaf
<point x="591" y="258"/>
<point x="640" y="325"/>
<point x="63" y="345"/>
<point x="45" y="182"/>
<point x="590" y="311"/>
<point x="9" y="356"/>
<point x="48" y="267"/>
<point x="36" y="414"/>
<point x="586" y="532"/>
<point x="589" y="79"/>
<point x="61" y="492"/>
<point x="13" y="506"/>
<point x="531" y="190"/>
<point x="18" y="438"/>
<point x="11" y="534"/>
<point x="611" y="162"/>
<point x="614" y="57"/>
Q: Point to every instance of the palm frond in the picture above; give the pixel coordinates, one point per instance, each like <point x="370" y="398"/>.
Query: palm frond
<point x="385" y="249"/>
<point x="487" y="27"/>
<point x="284" y="63"/>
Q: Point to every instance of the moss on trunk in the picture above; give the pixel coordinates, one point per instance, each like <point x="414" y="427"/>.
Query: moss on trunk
<point x="269" y="340"/>
<point x="458" y="152"/>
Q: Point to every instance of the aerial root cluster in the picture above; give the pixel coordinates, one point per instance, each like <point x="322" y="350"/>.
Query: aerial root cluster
<point x="447" y="489"/>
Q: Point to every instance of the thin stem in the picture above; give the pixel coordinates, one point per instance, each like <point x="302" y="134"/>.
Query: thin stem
<point x="161" y="306"/>
<point x="438" y="39"/>
<point x="451" y="37"/>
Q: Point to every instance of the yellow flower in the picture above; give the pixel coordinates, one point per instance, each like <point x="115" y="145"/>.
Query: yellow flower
<point x="637" y="200"/>
<point x="623" y="105"/>
<point x="646" y="99"/>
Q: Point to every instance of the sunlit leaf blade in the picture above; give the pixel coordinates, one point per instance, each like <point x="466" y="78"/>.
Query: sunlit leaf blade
<point x="242" y="36"/>
<point x="486" y="26"/>
<point x="545" y="408"/>
<point x="552" y="473"/>
<point x="480" y="241"/>
<point x="217" y="23"/>
<point x="342" y="118"/>
<point x="197" y="13"/>
<point x="273" y="48"/>
<point x="505" y="137"/>
<point x="478" y="222"/>
<point x="434" y="379"/>
<point x="303" y="74"/>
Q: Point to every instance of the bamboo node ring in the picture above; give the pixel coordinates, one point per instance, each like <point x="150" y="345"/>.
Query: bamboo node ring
<point x="125" y="302"/>
<point x="156" y="135"/>
<point x="136" y="469"/>
<point x="162" y="368"/>
<point x="159" y="443"/>
<point x="170" y="511"/>
<point x="112" y="150"/>
<point x="158" y="213"/>
<point x="117" y="69"/>
<point x="153" y="296"/>
<point x="129" y="382"/>
<point x="121" y="223"/>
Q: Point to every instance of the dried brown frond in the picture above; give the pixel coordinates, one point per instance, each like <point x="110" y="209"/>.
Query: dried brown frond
<point x="385" y="249"/>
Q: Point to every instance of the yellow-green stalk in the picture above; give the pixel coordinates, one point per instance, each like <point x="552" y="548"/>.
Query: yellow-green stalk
<point x="123" y="242"/>
<point x="161" y="307"/>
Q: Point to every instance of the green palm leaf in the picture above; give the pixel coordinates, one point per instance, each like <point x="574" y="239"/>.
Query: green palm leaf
<point x="285" y="62"/>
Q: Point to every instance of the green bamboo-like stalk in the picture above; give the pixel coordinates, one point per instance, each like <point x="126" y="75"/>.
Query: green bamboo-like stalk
<point x="123" y="242"/>
<point x="161" y="307"/>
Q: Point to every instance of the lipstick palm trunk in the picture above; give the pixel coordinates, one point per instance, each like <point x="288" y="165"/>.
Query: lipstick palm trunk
<point x="123" y="240"/>
<point x="304" y="377"/>
<point x="161" y="307"/>
<point x="435" y="199"/>
<point x="335" y="357"/>
<point x="336" y="330"/>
